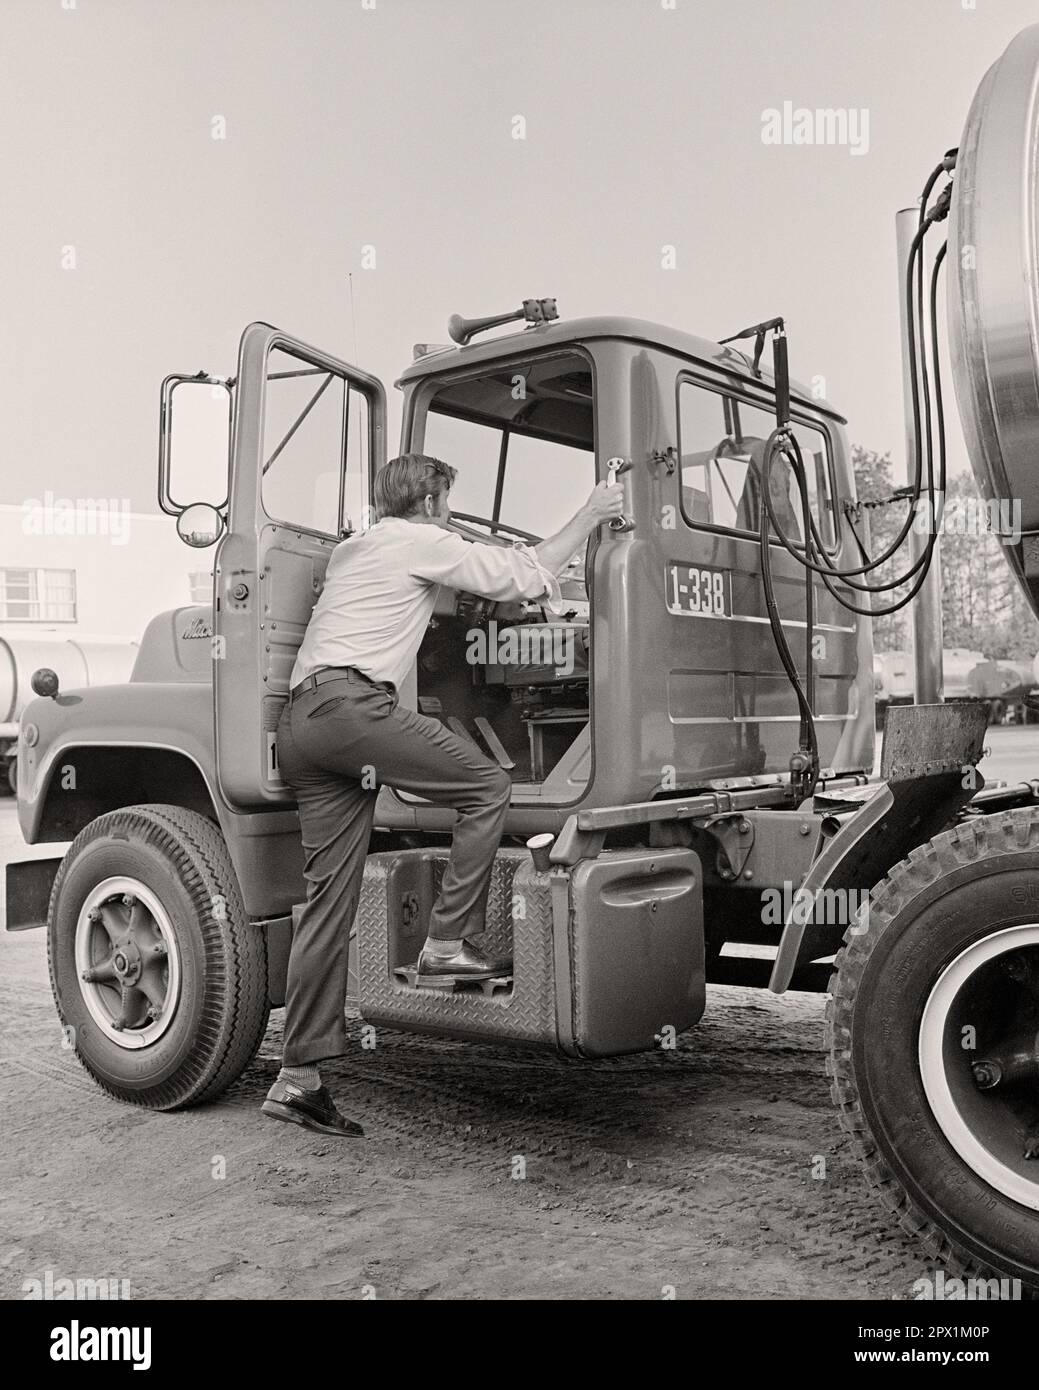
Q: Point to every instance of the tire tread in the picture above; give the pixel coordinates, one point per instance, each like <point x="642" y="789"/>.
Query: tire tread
<point x="979" y="838"/>
<point x="235" y="1014"/>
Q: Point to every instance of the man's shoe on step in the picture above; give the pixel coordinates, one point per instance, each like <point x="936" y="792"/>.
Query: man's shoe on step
<point x="311" y="1109"/>
<point x="467" y="963"/>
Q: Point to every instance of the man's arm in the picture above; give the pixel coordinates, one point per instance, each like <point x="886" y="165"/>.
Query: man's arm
<point x="491" y="571"/>
<point x="511" y="572"/>
<point x="605" y="502"/>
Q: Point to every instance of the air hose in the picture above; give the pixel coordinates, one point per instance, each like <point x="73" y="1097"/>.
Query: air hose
<point x="782" y="443"/>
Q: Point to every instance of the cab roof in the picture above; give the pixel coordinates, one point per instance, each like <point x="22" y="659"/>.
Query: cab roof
<point x="567" y="332"/>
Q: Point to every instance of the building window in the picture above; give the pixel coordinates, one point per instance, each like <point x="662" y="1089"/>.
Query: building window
<point x="201" y="582"/>
<point x="37" y="596"/>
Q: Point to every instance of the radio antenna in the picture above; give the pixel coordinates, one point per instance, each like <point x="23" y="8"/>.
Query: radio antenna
<point x="353" y="315"/>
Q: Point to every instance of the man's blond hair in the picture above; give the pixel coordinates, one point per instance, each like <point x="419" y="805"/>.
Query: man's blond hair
<point x="401" y="486"/>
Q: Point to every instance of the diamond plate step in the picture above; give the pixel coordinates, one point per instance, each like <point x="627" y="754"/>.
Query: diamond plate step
<point x="397" y="896"/>
<point x="448" y="983"/>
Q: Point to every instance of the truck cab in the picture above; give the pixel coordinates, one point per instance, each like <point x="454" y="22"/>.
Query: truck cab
<point x="660" y="677"/>
<point x="638" y="721"/>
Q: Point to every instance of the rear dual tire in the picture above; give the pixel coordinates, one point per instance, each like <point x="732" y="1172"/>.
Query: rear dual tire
<point x="942" y="974"/>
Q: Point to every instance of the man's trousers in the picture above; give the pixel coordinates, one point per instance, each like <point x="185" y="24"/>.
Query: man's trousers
<point x="338" y="742"/>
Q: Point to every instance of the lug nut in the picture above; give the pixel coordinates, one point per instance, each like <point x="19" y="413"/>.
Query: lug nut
<point x="987" y="1074"/>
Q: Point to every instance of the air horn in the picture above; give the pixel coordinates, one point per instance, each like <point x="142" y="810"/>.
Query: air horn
<point x="534" y="311"/>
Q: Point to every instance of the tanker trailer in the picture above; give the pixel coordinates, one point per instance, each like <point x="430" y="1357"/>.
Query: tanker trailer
<point x="1002" y="685"/>
<point x="957" y="664"/>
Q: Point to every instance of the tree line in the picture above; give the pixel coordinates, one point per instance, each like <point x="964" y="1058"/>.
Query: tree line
<point x="983" y="607"/>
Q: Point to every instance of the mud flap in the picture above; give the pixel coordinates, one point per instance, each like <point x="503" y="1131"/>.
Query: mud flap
<point x="928" y="772"/>
<point x="27" y="893"/>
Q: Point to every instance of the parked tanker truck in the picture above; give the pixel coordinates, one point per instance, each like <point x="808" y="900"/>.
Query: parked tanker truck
<point x="700" y="779"/>
<point x="893" y="675"/>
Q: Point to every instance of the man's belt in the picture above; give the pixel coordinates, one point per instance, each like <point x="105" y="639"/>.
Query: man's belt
<point x="335" y="673"/>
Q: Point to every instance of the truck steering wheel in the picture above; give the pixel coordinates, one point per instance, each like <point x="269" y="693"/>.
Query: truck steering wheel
<point x="471" y="606"/>
<point x="493" y="527"/>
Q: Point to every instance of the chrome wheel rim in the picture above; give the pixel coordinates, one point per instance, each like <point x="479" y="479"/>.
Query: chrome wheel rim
<point x="128" y="962"/>
<point x="984" y="1120"/>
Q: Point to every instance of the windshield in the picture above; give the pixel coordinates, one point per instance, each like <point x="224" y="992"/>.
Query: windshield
<point x="522" y="440"/>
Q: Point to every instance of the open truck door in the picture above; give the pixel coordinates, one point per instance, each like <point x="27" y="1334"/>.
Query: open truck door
<point x="309" y="433"/>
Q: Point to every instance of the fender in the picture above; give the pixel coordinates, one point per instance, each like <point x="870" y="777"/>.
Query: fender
<point x="927" y="748"/>
<point x="265" y="846"/>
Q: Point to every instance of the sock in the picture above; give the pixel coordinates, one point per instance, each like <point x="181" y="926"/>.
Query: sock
<point x="305" y="1075"/>
<point x="437" y="947"/>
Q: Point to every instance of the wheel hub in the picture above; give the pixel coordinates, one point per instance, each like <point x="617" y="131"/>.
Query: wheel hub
<point x="979" y="1059"/>
<point x="128" y="962"/>
<point x="1014" y="1060"/>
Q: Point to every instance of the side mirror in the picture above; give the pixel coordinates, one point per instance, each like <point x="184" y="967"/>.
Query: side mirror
<point x="194" y="442"/>
<point x="200" y="525"/>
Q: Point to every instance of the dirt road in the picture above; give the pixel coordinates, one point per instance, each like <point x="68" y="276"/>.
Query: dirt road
<point x="717" y="1169"/>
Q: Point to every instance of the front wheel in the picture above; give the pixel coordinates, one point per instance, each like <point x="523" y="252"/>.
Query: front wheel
<point x="933" y="1039"/>
<point x="159" y="978"/>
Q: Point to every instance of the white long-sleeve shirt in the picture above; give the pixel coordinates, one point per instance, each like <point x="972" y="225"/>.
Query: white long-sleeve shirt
<point x="381" y="588"/>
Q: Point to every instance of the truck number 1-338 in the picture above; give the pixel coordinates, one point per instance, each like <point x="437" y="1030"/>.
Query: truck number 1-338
<point x="693" y="589"/>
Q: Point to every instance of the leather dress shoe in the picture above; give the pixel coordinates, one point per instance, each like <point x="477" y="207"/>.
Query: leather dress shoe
<point x="467" y="963"/>
<point x="311" y="1109"/>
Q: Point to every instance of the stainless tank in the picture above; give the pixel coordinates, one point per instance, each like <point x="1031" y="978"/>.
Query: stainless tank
<point x="993" y="291"/>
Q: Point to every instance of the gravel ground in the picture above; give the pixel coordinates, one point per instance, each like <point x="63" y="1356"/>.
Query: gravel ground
<point x="717" y="1170"/>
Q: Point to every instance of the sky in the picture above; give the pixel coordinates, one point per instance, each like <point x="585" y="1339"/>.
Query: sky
<point x="133" y="243"/>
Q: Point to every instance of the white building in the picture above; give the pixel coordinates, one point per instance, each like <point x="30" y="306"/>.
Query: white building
<point x="94" y="573"/>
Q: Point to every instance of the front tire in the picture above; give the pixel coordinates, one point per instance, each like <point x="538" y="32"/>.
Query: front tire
<point x="933" y="1039"/>
<point x="159" y="978"/>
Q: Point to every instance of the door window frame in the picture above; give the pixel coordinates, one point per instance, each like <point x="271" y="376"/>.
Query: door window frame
<point x="314" y="360"/>
<point x="741" y="395"/>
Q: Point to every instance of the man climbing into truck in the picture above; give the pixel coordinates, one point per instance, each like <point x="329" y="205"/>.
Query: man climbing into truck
<point x="343" y="734"/>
